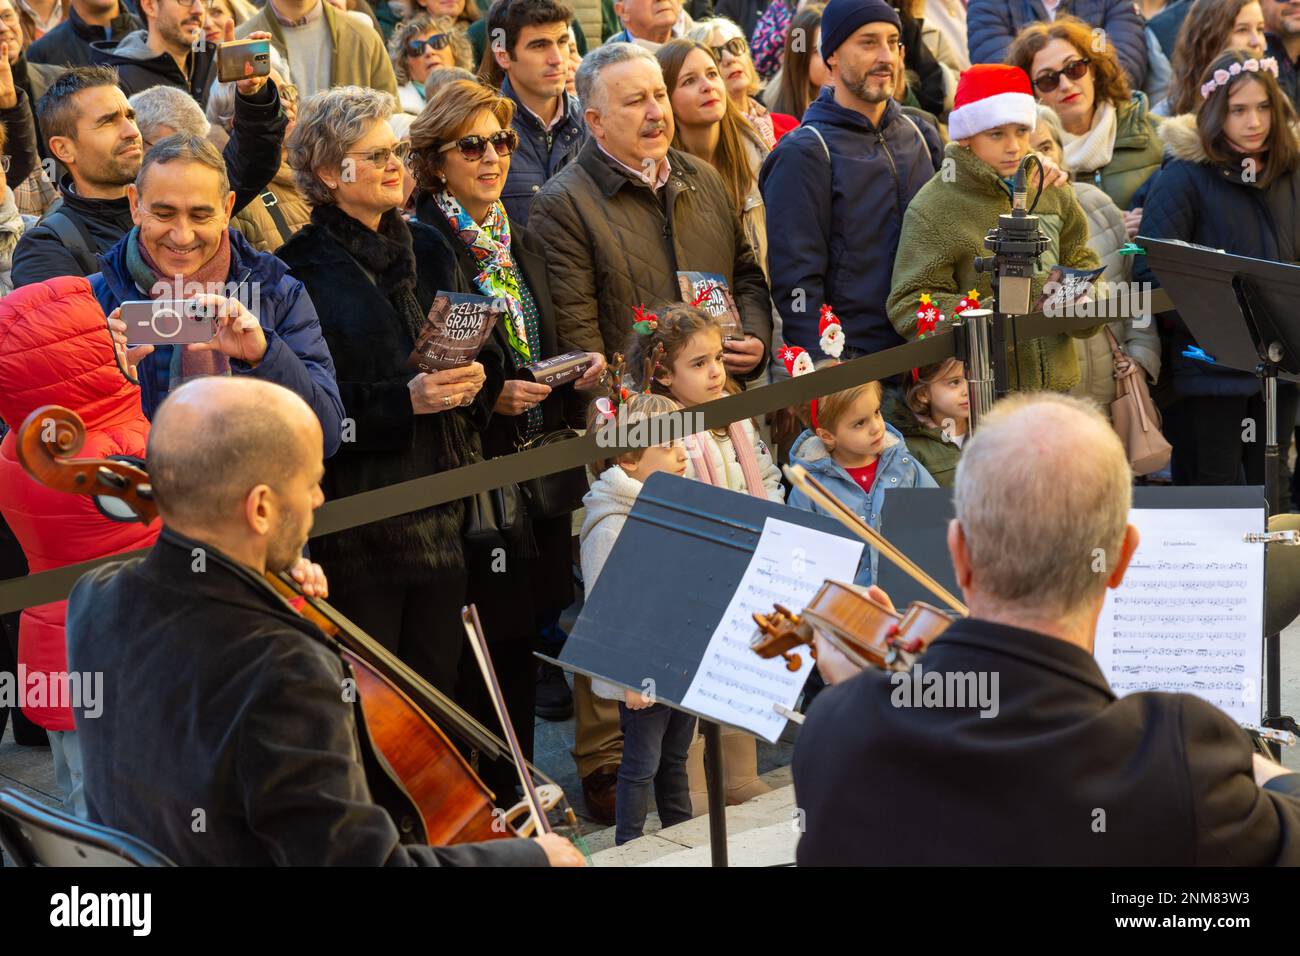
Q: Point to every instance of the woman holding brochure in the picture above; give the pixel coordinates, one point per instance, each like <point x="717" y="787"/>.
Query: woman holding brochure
<point x="461" y="148"/>
<point x="373" y="278"/>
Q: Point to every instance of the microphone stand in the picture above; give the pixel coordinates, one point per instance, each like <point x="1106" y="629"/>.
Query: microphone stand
<point x="1017" y="245"/>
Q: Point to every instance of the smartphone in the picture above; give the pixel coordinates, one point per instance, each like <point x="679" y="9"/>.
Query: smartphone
<point x="168" y="322"/>
<point x="243" y="59"/>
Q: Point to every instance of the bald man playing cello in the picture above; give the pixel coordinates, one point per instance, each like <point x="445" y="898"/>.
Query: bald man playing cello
<point x="1057" y="770"/>
<point x="224" y="737"/>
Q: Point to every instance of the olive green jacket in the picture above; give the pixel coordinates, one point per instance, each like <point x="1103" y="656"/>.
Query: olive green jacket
<point x="1137" y="154"/>
<point x="926" y="443"/>
<point x="943" y="232"/>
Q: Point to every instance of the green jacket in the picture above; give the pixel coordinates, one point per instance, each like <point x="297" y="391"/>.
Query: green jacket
<point x="943" y="232"/>
<point x="1138" y="152"/>
<point x="359" y="55"/>
<point x="926" y="442"/>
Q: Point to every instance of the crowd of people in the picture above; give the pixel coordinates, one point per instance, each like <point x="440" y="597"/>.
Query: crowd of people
<point x="831" y="169"/>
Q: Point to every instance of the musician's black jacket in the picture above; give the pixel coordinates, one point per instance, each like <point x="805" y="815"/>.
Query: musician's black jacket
<point x="1065" y="773"/>
<point x="225" y="737"/>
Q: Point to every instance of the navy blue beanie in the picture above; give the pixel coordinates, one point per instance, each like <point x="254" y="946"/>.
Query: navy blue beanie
<point x="843" y="18"/>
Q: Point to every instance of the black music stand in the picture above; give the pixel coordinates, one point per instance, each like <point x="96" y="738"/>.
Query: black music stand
<point x="1242" y="313"/>
<point x="663" y="592"/>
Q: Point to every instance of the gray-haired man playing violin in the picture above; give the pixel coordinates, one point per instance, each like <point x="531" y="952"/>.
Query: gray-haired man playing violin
<point x="1055" y="770"/>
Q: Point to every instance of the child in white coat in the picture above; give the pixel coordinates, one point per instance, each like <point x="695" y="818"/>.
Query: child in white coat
<point x="656" y="738"/>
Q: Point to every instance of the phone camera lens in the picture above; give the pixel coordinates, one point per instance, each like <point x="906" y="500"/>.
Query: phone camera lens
<point x="166" y="323"/>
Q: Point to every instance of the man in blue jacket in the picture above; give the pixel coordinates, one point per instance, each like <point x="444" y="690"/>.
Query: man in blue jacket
<point x="991" y="25"/>
<point x="182" y="247"/>
<point x="836" y="187"/>
<point x="530" y="42"/>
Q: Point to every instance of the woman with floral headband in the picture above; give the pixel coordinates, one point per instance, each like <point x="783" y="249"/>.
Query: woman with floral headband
<point x="1233" y="183"/>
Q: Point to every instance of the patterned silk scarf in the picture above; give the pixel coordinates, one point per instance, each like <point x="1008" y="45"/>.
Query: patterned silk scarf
<point x="489" y="243"/>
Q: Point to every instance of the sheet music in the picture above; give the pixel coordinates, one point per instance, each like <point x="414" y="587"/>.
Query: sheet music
<point x="1189" y="616"/>
<point x="735" y="685"/>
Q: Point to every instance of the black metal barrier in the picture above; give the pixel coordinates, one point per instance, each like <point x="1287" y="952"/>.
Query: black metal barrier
<point x="407" y="496"/>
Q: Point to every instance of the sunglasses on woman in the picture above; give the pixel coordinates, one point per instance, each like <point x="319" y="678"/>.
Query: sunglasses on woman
<point x="439" y="41"/>
<point x="473" y="147"/>
<point x="736" y="46"/>
<point x="1049" y="80"/>
<point x="379" y="157"/>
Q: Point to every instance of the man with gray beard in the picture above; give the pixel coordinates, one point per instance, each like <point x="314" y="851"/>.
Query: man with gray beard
<point x="1057" y="770"/>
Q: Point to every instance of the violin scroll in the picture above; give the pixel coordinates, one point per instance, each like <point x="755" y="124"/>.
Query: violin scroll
<point x="778" y="633"/>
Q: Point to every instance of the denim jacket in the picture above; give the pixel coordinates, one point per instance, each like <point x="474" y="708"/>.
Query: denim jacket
<point x="896" y="469"/>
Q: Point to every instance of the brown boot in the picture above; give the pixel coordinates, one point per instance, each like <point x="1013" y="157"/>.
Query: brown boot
<point x="740" y="766"/>
<point x="598" y="790"/>
<point x="695" y="777"/>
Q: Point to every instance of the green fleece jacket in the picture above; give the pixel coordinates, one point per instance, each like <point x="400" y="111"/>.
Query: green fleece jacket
<point x="943" y="232"/>
<point x="926" y="443"/>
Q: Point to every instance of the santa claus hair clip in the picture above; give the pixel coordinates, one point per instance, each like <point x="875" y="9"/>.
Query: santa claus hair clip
<point x="799" y="362"/>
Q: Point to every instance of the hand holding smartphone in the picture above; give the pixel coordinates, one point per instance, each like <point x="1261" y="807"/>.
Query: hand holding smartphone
<point x="243" y="60"/>
<point x="168" y="322"/>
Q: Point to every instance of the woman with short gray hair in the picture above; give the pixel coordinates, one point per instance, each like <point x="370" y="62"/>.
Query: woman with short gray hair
<point x="373" y="278"/>
<point x="419" y="46"/>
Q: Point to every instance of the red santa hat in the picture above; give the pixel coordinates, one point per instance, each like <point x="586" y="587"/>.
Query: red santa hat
<point x="991" y="95"/>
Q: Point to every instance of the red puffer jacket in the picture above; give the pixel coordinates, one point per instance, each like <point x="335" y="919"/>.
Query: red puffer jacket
<point x="55" y="350"/>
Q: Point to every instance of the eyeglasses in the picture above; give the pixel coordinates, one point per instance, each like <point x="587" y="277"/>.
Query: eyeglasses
<point x="379" y="157"/>
<point x="736" y="46"/>
<point x="439" y="41"/>
<point x="191" y="4"/>
<point x="1049" y="80"/>
<point x="504" y="141"/>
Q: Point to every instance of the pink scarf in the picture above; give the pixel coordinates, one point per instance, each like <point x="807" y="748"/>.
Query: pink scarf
<point x="745" y="454"/>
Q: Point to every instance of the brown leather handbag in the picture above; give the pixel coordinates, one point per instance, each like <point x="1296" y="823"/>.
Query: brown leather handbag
<point x="1135" y="416"/>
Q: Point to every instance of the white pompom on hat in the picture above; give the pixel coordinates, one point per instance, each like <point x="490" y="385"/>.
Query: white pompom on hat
<point x="991" y="95"/>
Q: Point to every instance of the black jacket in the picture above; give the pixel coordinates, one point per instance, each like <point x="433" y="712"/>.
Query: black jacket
<point x="372" y="344"/>
<point x="544" y="585"/>
<point x="20" y="141"/>
<point x="252" y="159"/>
<point x="1064" y="774"/>
<point x="224" y="739"/>
<point x="68" y="44"/>
<point x="139" y="68"/>
<point x="1193" y="199"/>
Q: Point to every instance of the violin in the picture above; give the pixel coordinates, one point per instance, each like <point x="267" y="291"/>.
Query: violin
<point x="866" y="631"/>
<point x="396" y="702"/>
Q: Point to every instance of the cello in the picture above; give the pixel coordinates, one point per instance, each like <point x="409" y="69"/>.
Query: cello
<point x="398" y="705"/>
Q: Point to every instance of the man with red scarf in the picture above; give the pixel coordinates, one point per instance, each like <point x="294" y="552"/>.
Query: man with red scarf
<point x="182" y="246"/>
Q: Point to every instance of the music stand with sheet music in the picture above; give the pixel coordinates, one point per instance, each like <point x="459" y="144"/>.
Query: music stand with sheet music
<point x="664" y="589"/>
<point x="1242" y="313"/>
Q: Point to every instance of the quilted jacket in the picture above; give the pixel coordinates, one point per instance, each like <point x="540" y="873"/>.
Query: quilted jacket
<point x="613" y="245"/>
<point x="55" y="350"/>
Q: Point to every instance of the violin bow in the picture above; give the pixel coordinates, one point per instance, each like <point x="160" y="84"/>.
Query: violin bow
<point x="837" y="509"/>
<point x="477" y="641"/>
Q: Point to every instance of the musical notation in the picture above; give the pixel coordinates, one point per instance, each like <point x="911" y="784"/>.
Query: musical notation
<point x="1182" y="623"/>
<point x="733" y="684"/>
